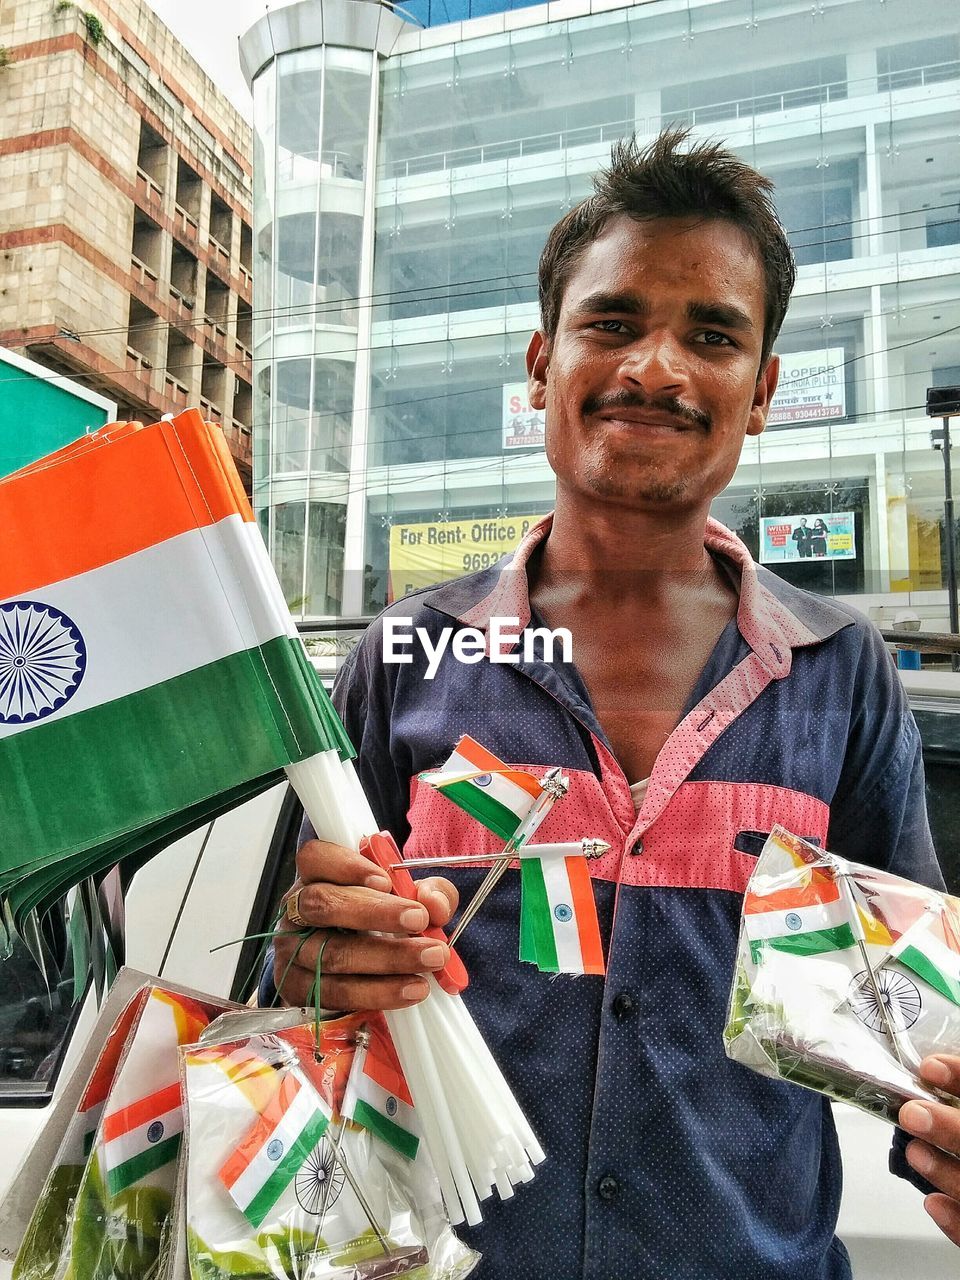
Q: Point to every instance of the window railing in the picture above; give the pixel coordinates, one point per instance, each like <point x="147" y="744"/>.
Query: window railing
<point x="915" y="77"/>
<point x="142" y="272"/>
<point x="151" y="189"/>
<point x="307" y="166"/>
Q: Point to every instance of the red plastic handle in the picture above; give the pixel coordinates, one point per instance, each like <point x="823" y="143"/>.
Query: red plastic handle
<point x="382" y="849"/>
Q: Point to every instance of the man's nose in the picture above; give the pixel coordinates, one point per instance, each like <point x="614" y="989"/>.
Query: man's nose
<point x="655" y="363"/>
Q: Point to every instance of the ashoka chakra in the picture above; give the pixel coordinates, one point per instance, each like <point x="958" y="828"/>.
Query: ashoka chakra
<point x="42" y="660"/>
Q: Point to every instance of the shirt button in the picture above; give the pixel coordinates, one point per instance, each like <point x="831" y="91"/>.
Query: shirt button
<point x="608" y="1188"/>
<point x="636" y="848"/>
<point x="623" y="1005"/>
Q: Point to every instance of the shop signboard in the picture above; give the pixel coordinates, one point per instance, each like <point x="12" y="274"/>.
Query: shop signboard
<point x="523" y="426"/>
<point x="811" y="387"/>
<point x="422" y="554"/>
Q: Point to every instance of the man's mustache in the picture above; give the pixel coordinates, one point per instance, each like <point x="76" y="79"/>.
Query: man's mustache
<point x="661" y="404"/>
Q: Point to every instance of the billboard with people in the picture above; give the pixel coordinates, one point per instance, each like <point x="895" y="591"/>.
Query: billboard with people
<point x="818" y="536"/>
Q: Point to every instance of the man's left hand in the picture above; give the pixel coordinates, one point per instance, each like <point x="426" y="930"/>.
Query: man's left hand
<point x="937" y="1156"/>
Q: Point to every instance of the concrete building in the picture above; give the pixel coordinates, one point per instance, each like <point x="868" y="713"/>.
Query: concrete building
<point x="125" y="233"/>
<point x="404" y="184"/>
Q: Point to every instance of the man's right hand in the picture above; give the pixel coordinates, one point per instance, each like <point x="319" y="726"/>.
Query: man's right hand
<point x="345" y="897"/>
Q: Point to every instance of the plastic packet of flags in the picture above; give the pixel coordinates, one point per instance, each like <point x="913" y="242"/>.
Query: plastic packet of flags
<point x="846" y="977"/>
<point x="103" y="1212"/>
<point x="304" y="1160"/>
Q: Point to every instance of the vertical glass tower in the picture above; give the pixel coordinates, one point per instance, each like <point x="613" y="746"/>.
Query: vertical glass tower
<point x="406" y="178"/>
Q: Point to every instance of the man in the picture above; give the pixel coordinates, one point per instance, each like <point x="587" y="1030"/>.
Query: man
<point x="801" y="536"/>
<point x="705" y="701"/>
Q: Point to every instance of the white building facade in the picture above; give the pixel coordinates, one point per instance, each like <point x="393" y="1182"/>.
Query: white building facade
<point x="405" y="181"/>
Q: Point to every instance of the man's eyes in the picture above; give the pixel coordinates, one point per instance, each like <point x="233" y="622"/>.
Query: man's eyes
<point x="704" y="337"/>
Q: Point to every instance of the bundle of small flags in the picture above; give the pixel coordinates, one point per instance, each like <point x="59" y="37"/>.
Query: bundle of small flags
<point x="846" y="976"/>
<point x="300" y="1153"/>
<point x="559" y="930"/>
<point x="119" y="1155"/>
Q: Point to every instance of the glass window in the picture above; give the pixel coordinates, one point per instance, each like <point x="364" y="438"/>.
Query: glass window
<point x="795" y="84"/>
<point x="288" y="535"/>
<point x="916" y="62"/>
<point x="326" y="527"/>
<point x="345" y="116"/>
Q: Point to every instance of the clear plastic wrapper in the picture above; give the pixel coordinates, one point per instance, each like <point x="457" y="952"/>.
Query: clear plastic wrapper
<point x="846" y="977"/>
<point x="281" y="1184"/>
<point x="103" y="1212"/>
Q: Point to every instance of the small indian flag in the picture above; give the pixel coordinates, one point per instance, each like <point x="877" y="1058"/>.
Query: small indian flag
<point x="141" y="1138"/>
<point x="803" y="921"/>
<point x="930" y="958"/>
<point x="490" y="791"/>
<point x="275" y="1148"/>
<point x="559" y="931"/>
<point x="377" y="1097"/>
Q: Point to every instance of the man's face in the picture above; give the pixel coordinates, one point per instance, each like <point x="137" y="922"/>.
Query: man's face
<point x="650" y="381"/>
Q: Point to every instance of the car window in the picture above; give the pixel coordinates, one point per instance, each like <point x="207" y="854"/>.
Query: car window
<point x="36" y="1014"/>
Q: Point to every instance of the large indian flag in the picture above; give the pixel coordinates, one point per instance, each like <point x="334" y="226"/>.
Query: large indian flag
<point x="147" y="659"/>
<point x="490" y="791"/>
<point x="803" y="920"/>
<point x="275" y="1149"/>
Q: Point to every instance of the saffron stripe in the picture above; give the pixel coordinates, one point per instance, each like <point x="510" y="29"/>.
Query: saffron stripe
<point x="585" y="912"/>
<point x="141" y="1112"/>
<point x="60" y="533"/>
<point x="822" y="889"/>
<point x="286" y="1170"/>
<point x="382" y="1126"/>
<point x="148" y="1161"/>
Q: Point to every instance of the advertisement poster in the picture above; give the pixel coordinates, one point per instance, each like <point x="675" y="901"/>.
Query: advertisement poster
<point x="522" y="426"/>
<point x="813" y="537"/>
<point x="421" y="554"/>
<point x="811" y="387"/>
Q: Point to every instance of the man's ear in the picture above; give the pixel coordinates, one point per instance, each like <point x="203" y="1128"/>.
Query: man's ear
<point x="762" y="395"/>
<point x="538" y="358"/>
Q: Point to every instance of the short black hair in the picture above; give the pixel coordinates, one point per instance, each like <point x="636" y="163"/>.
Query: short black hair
<point x="664" y="180"/>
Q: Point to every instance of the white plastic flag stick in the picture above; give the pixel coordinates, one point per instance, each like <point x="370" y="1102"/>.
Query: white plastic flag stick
<point x="588" y="848"/>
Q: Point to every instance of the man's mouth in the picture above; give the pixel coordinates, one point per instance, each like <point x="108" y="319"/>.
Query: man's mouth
<point x="669" y="415"/>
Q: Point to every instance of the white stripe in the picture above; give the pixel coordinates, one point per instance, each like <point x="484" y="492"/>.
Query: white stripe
<point x="167" y="610"/>
<point x="515" y="798"/>
<point x="808" y="919"/>
<point x="361" y="1086"/>
<point x="295" y="1119"/>
<point x="565" y="932"/>
<point x="127" y="1145"/>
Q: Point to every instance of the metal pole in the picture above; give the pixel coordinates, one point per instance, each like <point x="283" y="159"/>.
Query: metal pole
<point x="950" y="535"/>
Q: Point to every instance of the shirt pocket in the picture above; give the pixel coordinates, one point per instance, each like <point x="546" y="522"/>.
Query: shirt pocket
<point x="710" y="833"/>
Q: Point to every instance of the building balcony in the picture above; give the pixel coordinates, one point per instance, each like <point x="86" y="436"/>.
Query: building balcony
<point x="211" y="412"/>
<point x="185" y="223"/>
<point x="144" y="274"/>
<point x="175" y="391"/>
<point x="150" y="192"/>
<point x="221" y="255"/>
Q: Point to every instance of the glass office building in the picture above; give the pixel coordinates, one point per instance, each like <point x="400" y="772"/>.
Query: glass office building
<point x="405" y="180"/>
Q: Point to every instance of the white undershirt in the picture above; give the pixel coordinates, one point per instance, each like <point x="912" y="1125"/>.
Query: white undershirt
<point x="637" y="792"/>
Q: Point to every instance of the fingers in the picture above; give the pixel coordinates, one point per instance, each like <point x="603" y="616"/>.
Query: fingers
<point x="440" y="897"/>
<point x="336" y="906"/>
<point x="935" y="1158"/>
<point x="357" y="972"/>
<point x="321" y="860"/>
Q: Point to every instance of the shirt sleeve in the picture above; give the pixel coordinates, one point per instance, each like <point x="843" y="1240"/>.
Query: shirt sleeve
<point x="879" y="814"/>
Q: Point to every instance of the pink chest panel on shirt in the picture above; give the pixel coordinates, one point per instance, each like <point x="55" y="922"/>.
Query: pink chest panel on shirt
<point x="691" y="844"/>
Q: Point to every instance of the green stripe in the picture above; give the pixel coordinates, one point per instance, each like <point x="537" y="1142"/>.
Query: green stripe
<point x="495" y="816"/>
<point x="394" y="1135"/>
<point x="528" y="944"/>
<point x="286" y="1170"/>
<point x="536" y="907"/>
<point x="138" y="1166"/>
<point x="813" y="943"/>
<point x="924" y="968"/>
<point x="87" y="778"/>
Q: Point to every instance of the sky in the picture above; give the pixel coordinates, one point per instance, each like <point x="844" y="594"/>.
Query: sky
<point x="210" y="29"/>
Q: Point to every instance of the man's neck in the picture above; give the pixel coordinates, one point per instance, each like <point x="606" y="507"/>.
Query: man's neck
<point x="607" y="545"/>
